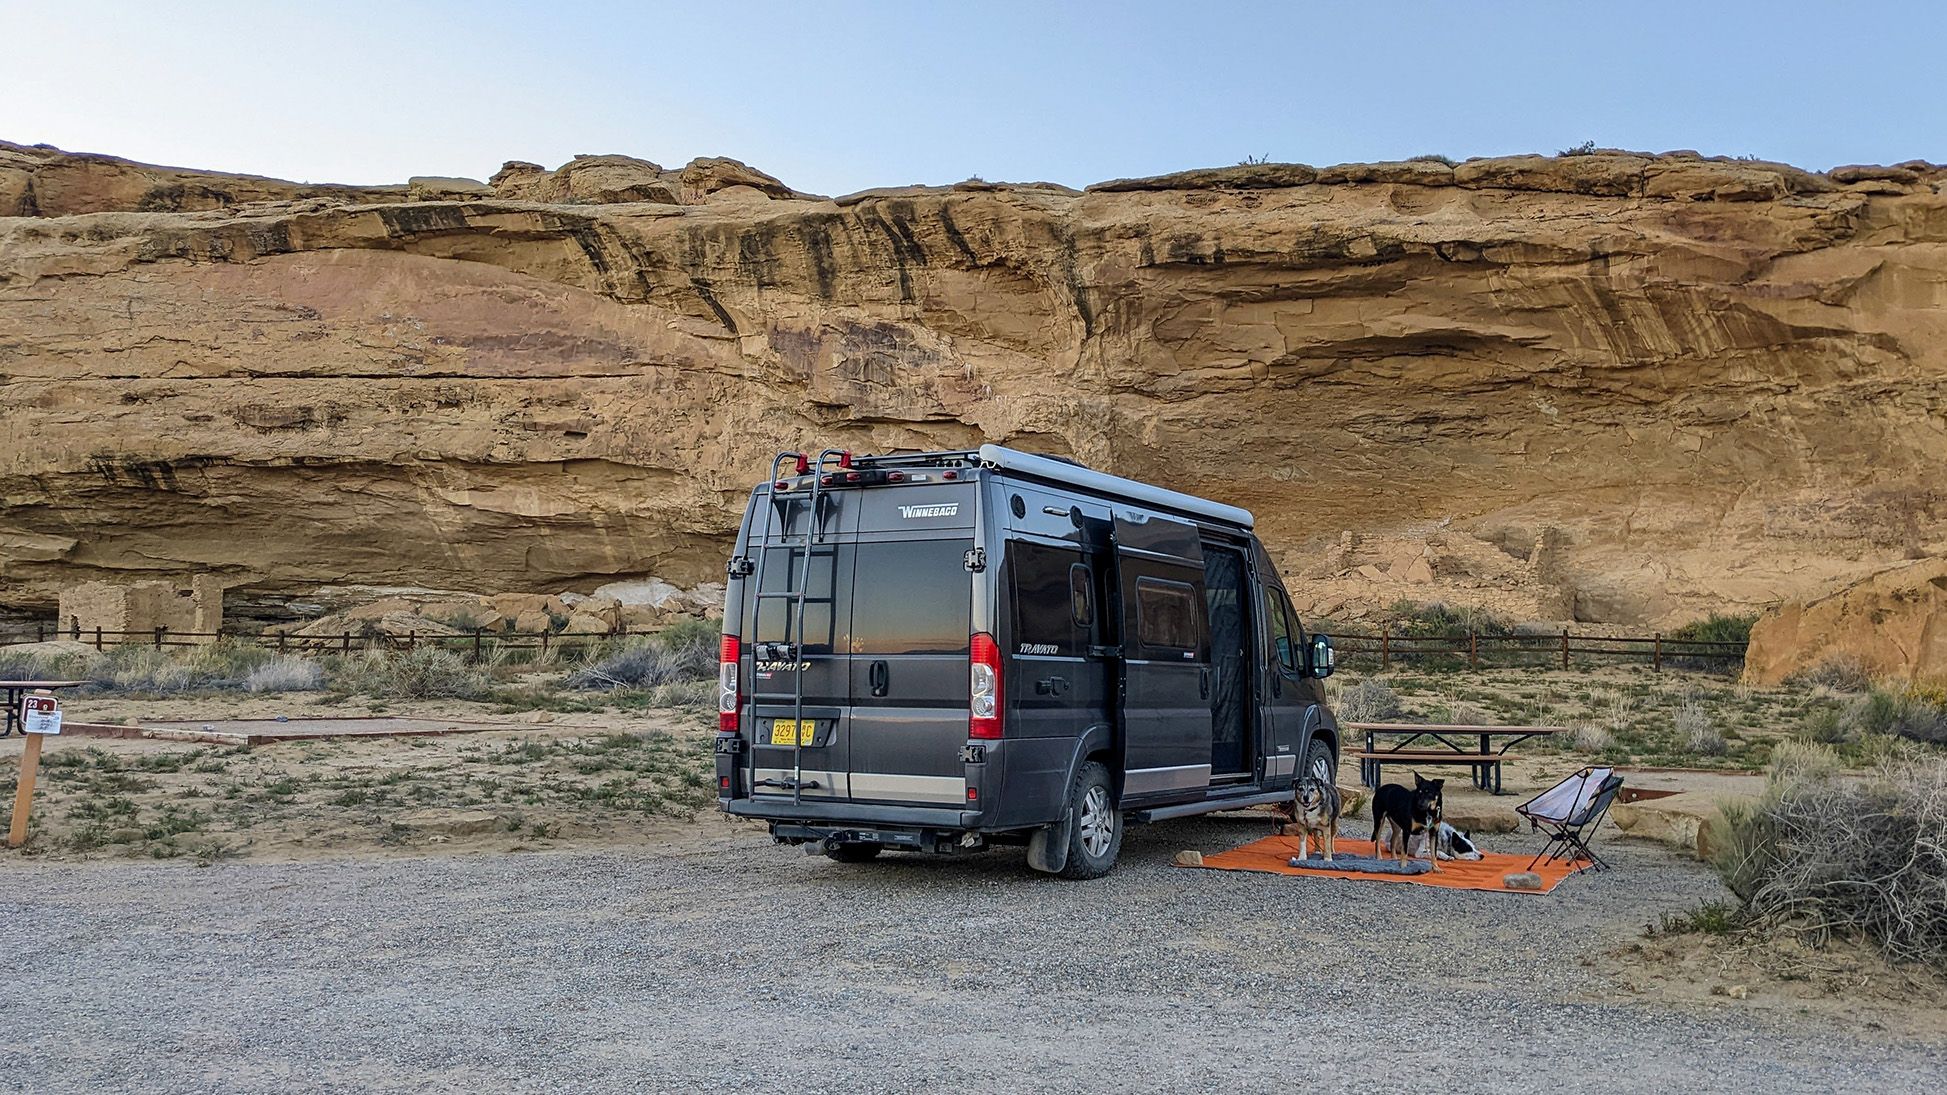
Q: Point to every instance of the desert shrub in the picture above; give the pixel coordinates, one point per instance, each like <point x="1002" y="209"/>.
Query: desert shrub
<point x="1825" y="724"/>
<point x="1921" y="715"/>
<point x="1432" y="157"/>
<point x="683" y="653"/>
<point x="1410" y="619"/>
<point x="1586" y="148"/>
<point x="1697" y="732"/>
<point x="1591" y="737"/>
<point x="285" y="673"/>
<point x="1369" y="701"/>
<point x="1821" y="853"/>
<point x="426" y="672"/>
<point x="1841" y="672"/>
<point x="217" y="667"/>
<point x="1715" y="628"/>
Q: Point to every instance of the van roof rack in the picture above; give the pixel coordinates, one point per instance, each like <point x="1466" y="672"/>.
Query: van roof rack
<point x="1068" y="472"/>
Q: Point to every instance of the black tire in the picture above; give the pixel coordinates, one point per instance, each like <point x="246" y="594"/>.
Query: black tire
<point x="1319" y="761"/>
<point x="1095" y="825"/>
<point x="856" y="852"/>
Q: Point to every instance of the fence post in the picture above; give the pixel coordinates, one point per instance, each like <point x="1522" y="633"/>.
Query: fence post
<point x="345" y="643"/>
<point x="1385" y="649"/>
<point x="98" y="645"/>
<point x="39" y="635"/>
<point x="1473" y="649"/>
<point x="1656" y="654"/>
<point x="280" y="642"/>
<point x="219" y="632"/>
<point x="412" y="639"/>
<point x="159" y="629"/>
<point x="544" y="644"/>
<point x="476" y="645"/>
<point x="1565" y="648"/>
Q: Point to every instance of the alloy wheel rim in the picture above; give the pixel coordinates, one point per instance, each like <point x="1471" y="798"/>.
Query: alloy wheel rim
<point x="1322" y="769"/>
<point x="1098" y="821"/>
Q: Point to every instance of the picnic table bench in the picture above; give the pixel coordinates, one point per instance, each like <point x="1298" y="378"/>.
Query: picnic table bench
<point x="16" y="689"/>
<point x="1479" y="753"/>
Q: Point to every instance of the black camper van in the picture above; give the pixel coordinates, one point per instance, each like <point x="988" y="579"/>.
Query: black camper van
<point x="945" y="651"/>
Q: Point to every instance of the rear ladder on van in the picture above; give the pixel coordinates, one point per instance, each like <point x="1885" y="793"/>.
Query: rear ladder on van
<point x="797" y="594"/>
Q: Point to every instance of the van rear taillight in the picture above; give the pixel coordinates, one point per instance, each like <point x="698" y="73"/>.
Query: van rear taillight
<point x="729" y="694"/>
<point x="984" y="691"/>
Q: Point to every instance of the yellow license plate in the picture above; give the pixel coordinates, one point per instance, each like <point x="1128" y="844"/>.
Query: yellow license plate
<point x="790" y="732"/>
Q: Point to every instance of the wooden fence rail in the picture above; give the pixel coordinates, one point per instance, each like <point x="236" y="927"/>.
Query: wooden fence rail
<point x="1476" y="648"/>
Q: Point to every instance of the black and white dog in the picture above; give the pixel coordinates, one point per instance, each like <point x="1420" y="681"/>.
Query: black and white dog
<point x="1452" y="843"/>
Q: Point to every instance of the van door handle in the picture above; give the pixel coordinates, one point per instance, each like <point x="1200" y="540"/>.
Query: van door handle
<point x="1050" y="686"/>
<point x="879" y="676"/>
<point x="1203" y="682"/>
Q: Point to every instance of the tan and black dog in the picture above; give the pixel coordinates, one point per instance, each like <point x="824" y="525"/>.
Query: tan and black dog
<point x="1406" y="813"/>
<point x="1314" y="808"/>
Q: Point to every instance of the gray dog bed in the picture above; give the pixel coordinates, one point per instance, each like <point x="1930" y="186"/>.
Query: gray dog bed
<point x="1363" y="863"/>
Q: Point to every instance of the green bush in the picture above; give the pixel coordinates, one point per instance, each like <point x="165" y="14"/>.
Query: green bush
<point x="1716" y="628"/>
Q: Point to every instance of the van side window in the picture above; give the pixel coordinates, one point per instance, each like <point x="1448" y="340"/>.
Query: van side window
<point x="1286" y="634"/>
<point x="1167" y="614"/>
<point x="1046" y="616"/>
<point x="1081" y="596"/>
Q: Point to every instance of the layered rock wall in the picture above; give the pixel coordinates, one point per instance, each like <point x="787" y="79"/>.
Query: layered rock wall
<point x="1704" y="384"/>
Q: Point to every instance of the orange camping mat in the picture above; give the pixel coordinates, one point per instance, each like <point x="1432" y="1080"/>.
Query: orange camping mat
<point x="1273" y="855"/>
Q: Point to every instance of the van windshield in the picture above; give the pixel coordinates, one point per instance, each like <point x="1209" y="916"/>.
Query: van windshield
<point x="911" y="597"/>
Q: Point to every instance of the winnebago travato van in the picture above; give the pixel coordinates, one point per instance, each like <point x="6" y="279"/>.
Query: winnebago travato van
<point x="945" y="651"/>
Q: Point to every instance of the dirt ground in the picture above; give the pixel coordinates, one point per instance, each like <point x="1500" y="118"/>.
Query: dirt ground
<point x="606" y="821"/>
<point x="585" y="778"/>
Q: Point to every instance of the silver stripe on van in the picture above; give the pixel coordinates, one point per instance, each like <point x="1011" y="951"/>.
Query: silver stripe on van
<point x="909" y="788"/>
<point x="1141" y="781"/>
<point x="829" y="783"/>
<point x="1275" y="767"/>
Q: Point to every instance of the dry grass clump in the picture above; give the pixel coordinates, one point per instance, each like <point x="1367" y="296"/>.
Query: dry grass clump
<point x="424" y="673"/>
<point x="285" y="673"/>
<point x="1696" y="733"/>
<point x="1368" y="701"/>
<point x="1590" y="737"/>
<point x="1826" y="854"/>
<point x="683" y="654"/>
<point x="1839" y="672"/>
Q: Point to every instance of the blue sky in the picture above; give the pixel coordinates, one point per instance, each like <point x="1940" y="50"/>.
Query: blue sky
<point x="839" y="96"/>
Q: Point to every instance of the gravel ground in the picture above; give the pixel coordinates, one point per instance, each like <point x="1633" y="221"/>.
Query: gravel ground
<point x="725" y="963"/>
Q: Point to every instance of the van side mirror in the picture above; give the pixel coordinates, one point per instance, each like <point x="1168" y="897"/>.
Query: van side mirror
<point x="1320" y="658"/>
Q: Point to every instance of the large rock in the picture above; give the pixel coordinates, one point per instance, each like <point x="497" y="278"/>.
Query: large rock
<point x="572" y="381"/>
<point x="1893" y="623"/>
<point x="1690" y="820"/>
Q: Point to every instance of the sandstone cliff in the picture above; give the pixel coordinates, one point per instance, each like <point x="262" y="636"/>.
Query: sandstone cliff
<point x="1616" y="387"/>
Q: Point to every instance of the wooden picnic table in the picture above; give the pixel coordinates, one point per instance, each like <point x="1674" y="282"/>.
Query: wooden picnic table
<point x="16" y="690"/>
<point x="1478" y="754"/>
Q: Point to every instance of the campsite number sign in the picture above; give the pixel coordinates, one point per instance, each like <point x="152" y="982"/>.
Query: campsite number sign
<point x="40" y="715"/>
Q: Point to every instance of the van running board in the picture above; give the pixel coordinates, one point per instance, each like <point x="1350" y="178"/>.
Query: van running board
<point x="1209" y="806"/>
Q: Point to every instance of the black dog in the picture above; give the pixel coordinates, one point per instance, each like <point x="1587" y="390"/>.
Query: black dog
<point x="1406" y="813"/>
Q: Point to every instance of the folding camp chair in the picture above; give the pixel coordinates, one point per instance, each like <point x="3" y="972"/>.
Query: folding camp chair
<point x="1568" y="810"/>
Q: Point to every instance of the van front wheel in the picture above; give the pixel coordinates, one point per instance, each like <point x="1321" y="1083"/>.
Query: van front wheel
<point x="1095" y="831"/>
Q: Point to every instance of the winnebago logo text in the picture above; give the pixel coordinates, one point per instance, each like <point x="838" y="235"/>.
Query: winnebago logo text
<point x="938" y="509"/>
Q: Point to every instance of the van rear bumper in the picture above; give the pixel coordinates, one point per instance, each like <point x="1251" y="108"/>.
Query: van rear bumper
<point x="850" y="813"/>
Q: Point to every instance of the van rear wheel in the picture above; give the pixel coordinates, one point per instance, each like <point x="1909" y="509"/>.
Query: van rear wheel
<point x="1095" y="833"/>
